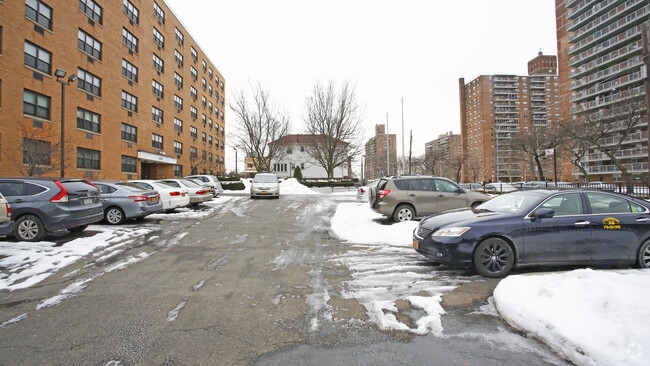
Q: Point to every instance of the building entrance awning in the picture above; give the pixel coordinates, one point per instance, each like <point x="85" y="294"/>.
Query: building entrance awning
<point x="147" y="157"/>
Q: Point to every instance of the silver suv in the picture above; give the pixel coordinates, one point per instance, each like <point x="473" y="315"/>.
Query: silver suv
<point x="404" y="198"/>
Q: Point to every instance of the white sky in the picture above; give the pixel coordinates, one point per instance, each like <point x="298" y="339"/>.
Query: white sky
<point x="415" y="49"/>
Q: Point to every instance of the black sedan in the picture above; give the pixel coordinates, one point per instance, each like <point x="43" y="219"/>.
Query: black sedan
<point x="539" y="227"/>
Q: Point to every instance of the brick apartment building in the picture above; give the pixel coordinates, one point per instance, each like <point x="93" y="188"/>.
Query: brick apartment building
<point x="601" y="62"/>
<point x="494" y="108"/>
<point x="445" y="150"/>
<point x="147" y="101"/>
<point x="377" y="164"/>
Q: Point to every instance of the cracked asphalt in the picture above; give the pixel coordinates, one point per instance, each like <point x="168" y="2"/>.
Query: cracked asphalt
<point x="252" y="284"/>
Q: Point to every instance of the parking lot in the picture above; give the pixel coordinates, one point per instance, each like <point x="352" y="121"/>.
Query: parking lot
<point x="241" y="281"/>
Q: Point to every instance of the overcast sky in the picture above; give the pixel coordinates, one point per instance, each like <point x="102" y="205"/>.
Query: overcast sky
<point x="411" y="49"/>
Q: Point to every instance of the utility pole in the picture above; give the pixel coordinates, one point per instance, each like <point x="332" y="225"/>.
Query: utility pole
<point x="403" y="134"/>
<point x="387" y="151"/>
<point x="410" y="152"/>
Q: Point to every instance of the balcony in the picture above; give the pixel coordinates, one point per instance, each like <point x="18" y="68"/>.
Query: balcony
<point x="574" y="24"/>
<point x="613" y="169"/>
<point x="621" y="82"/>
<point x="581" y="83"/>
<point x="627" y="153"/>
<point x="575" y="10"/>
<point x="604" y="20"/>
<point x="632" y="20"/>
<point x="609" y="99"/>
<point x="612" y="57"/>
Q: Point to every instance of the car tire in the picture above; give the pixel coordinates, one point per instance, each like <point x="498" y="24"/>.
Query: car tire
<point x="644" y="255"/>
<point x="493" y="258"/>
<point x="403" y="213"/>
<point x="114" y="215"/>
<point x="29" y="228"/>
<point x="78" y="229"/>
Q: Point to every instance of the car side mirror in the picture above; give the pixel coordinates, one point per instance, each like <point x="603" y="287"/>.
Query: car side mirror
<point x="544" y="213"/>
<point x="250" y="180"/>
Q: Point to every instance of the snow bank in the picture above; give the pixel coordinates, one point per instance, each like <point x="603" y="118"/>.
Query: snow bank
<point x="357" y="223"/>
<point x="590" y="317"/>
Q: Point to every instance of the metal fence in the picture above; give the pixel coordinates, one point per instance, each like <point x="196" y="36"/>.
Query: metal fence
<point x="640" y="190"/>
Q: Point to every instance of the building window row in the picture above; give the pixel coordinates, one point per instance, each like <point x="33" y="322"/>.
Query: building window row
<point x="92" y="10"/>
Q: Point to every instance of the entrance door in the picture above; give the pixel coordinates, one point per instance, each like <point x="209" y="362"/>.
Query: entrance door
<point x="145" y="171"/>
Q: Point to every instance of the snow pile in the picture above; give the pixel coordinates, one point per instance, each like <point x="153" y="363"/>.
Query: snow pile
<point x="292" y="186"/>
<point x="590" y="317"/>
<point x="357" y="223"/>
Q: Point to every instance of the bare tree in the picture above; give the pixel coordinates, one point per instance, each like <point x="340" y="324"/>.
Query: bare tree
<point x="40" y="155"/>
<point x="455" y="165"/>
<point x="334" y="119"/>
<point x="260" y="122"/>
<point x="473" y="167"/>
<point x="607" y="131"/>
<point x="434" y="159"/>
<point x="534" y="143"/>
<point x="577" y="149"/>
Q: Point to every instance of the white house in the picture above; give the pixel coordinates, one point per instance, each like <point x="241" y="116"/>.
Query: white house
<point x="296" y="155"/>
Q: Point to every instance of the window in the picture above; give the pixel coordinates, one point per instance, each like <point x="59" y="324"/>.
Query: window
<point x="129" y="164"/>
<point x="38" y="58"/>
<point x="178" y="102"/>
<point x="210" y="106"/>
<point x="203" y="101"/>
<point x="178" y="80"/>
<point x="193" y="73"/>
<point x="156" y="141"/>
<point x="179" y="36"/>
<point x="178" y="125"/>
<point x="37" y="11"/>
<point x="158" y="38"/>
<point x="193" y="92"/>
<point x="131" y="11"/>
<point x="1" y="39"/>
<point x="89" y="82"/>
<point x="87" y="159"/>
<point x="204" y="155"/>
<point x="210" y="140"/>
<point x="157" y="88"/>
<point x="129" y="71"/>
<point x="210" y="123"/>
<point x="159" y="13"/>
<point x="158" y="63"/>
<point x="602" y="203"/>
<point x="564" y="204"/>
<point x="178" y="148"/>
<point x="178" y="58"/>
<point x="36" y="152"/>
<point x="203" y="137"/>
<point x="210" y="73"/>
<point x="129" y="40"/>
<point x="204" y="65"/>
<point x="210" y="90"/>
<point x="178" y="171"/>
<point x="89" y="45"/>
<point x="129" y="101"/>
<point x="87" y="120"/>
<point x="36" y="105"/>
<point x="129" y="133"/>
<point x="193" y="132"/>
<point x="156" y="114"/>
<point x="193" y="112"/>
<point x="193" y="153"/>
<point x="195" y="55"/>
<point x="91" y="9"/>
<point x="203" y="118"/>
<point x="203" y="83"/>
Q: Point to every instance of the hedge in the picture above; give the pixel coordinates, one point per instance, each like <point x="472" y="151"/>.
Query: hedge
<point x="232" y="186"/>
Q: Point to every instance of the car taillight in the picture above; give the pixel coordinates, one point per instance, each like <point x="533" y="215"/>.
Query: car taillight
<point x="383" y="193"/>
<point x="174" y="193"/>
<point x="138" y="198"/>
<point x="8" y="210"/>
<point x="62" y="196"/>
<point x="202" y="192"/>
<point x="362" y="190"/>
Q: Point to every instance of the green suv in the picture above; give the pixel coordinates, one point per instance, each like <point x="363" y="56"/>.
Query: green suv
<point x="404" y="198"/>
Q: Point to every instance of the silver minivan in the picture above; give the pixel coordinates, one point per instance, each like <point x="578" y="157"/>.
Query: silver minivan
<point x="404" y="198"/>
<point x="265" y="185"/>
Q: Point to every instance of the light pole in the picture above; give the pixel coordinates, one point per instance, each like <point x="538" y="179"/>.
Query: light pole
<point x="236" y="173"/>
<point x="363" y="157"/>
<point x="60" y="74"/>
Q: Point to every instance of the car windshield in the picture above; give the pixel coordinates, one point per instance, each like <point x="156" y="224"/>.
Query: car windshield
<point x="512" y="202"/>
<point x="130" y="186"/>
<point x="266" y="178"/>
<point x="189" y="183"/>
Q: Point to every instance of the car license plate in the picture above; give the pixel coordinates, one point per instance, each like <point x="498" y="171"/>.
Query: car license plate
<point x="154" y="199"/>
<point x="263" y="192"/>
<point x="88" y="201"/>
<point x="416" y="245"/>
<point x="182" y="194"/>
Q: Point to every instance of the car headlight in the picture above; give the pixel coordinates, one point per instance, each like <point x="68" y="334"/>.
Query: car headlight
<point x="451" y="231"/>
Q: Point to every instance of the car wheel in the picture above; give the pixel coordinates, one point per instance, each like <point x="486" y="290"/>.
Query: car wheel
<point x="644" y="255"/>
<point x="78" y="229"/>
<point x="403" y="213"/>
<point x="114" y="215"/>
<point x="29" y="228"/>
<point x="493" y="258"/>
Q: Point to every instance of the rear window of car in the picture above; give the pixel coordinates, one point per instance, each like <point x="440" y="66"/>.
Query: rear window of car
<point x="33" y="189"/>
<point x="73" y="186"/>
<point x="130" y="186"/>
<point x="402" y="184"/>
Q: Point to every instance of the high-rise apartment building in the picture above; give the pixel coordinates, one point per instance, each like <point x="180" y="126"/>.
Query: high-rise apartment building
<point x="494" y="109"/>
<point x="444" y="151"/>
<point x="378" y="163"/>
<point x="601" y="63"/>
<point x="147" y="102"/>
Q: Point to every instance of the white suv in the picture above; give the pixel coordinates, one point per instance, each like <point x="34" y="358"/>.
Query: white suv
<point x="210" y="180"/>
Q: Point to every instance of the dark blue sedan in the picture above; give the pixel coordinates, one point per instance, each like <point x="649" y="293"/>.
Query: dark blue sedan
<point x="539" y="227"/>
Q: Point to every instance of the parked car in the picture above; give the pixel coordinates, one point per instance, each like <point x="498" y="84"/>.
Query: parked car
<point x="471" y="186"/>
<point x="42" y="205"/>
<point x="210" y="180"/>
<point x="6" y="225"/>
<point x="265" y="185"/>
<point x="363" y="192"/>
<point x="124" y="200"/>
<point x="202" y="184"/>
<point x="171" y="197"/>
<point x="404" y="198"/>
<point x="499" y="187"/>
<point x="197" y="192"/>
<point x="601" y="186"/>
<point x="540" y="227"/>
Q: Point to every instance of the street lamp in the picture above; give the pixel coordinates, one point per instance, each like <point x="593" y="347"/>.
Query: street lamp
<point x="60" y="74"/>
<point x="363" y="157"/>
<point x="236" y="174"/>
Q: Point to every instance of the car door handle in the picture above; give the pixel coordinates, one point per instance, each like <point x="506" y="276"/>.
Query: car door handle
<point x="582" y="223"/>
<point x="412" y="195"/>
<point x="642" y="219"/>
<point x="19" y="200"/>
